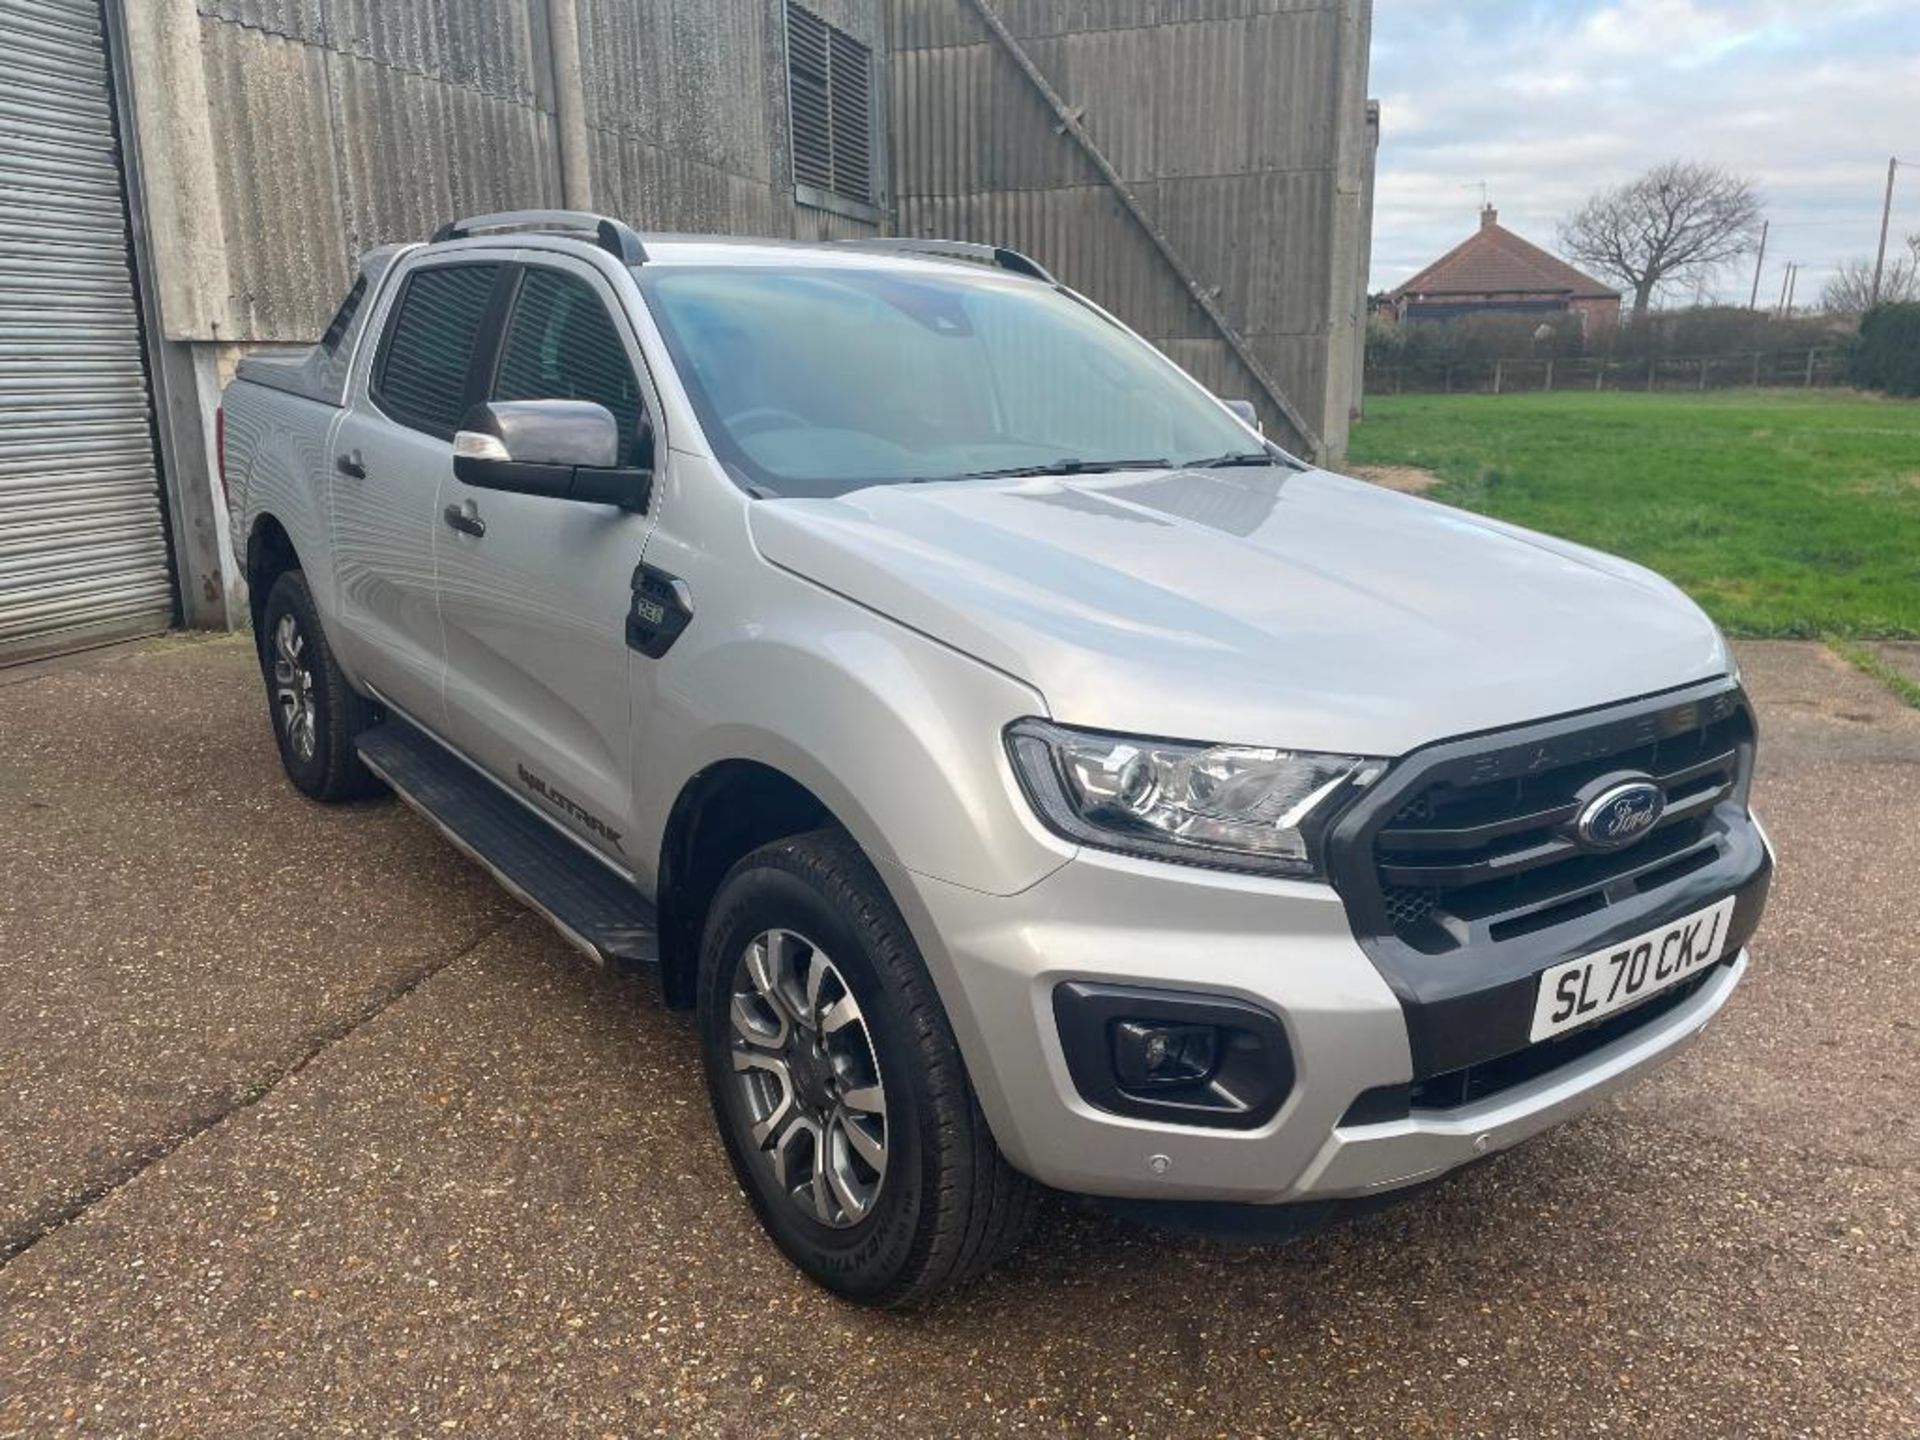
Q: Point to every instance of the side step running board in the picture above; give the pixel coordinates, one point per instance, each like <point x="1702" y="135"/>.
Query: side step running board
<point x="585" y="901"/>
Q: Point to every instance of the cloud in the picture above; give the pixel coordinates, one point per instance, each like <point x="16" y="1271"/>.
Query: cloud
<point x="1547" y="102"/>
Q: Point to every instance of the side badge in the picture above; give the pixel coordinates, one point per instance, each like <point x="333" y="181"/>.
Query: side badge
<point x="662" y="608"/>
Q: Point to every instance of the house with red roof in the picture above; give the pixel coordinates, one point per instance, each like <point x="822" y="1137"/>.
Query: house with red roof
<point x="1495" y="272"/>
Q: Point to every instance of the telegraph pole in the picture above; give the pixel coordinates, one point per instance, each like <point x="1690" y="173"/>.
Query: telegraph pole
<point x="1760" y="264"/>
<point x="1786" y="279"/>
<point x="1886" y="216"/>
<point x="1793" y="286"/>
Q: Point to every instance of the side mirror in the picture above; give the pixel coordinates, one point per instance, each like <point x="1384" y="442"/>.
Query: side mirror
<point x="1249" y="416"/>
<point x="562" y="449"/>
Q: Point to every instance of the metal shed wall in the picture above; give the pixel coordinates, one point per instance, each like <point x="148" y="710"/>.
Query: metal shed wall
<point x="276" y="140"/>
<point x="337" y="125"/>
<point x="686" y="110"/>
<point x="1239" y="126"/>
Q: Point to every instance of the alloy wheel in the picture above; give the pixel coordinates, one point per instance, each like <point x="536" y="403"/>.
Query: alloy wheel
<point x="804" y="1062"/>
<point x="293" y="687"/>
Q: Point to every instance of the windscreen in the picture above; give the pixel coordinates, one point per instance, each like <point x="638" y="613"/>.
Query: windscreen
<point x="816" y="381"/>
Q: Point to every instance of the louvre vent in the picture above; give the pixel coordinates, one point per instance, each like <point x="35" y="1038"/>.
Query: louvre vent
<point x="830" y="89"/>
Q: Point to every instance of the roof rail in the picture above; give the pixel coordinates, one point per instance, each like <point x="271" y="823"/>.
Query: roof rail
<point x="613" y="236"/>
<point x="996" y="255"/>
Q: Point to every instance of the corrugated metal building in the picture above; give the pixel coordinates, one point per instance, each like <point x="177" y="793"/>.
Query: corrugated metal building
<point x="1197" y="166"/>
<point x="183" y="179"/>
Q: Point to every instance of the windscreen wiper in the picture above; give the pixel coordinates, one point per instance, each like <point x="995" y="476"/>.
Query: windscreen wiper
<point x="1233" y="458"/>
<point x="1067" y="466"/>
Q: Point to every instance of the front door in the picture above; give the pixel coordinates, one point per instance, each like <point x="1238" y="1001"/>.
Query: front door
<point x="391" y="455"/>
<point x="534" y="606"/>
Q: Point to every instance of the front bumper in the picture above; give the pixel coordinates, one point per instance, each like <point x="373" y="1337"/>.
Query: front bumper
<point x="1367" y="1159"/>
<point x="1284" y="946"/>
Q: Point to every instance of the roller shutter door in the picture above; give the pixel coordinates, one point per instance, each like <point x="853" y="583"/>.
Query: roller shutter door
<point x="83" y="545"/>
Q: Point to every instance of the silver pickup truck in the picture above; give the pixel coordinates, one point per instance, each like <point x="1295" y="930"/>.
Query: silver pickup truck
<point x="1023" y="770"/>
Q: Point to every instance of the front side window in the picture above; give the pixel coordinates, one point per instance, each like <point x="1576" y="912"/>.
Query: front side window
<point x="421" y="378"/>
<point x="562" y="345"/>
<point x="817" y="381"/>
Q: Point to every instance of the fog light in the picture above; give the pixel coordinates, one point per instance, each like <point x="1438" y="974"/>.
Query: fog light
<point x="1173" y="1056"/>
<point x="1149" y="1055"/>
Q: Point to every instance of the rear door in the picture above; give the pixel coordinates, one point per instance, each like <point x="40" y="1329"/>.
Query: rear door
<point x="534" y="609"/>
<point x="392" y="454"/>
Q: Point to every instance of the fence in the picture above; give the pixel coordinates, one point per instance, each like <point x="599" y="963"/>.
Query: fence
<point x="1802" y="369"/>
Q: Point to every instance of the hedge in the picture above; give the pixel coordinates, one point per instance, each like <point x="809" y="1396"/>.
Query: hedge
<point x="1888" y="355"/>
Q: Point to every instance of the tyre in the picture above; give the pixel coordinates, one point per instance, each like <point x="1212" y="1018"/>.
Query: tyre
<point x="315" y="712"/>
<point x="837" y="1084"/>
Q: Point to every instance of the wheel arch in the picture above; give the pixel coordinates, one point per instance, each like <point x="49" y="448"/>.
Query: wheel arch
<point x="724" y="811"/>
<point x="270" y="554"/>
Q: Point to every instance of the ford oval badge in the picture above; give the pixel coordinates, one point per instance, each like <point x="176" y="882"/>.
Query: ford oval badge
<point x="1621" y="814"/>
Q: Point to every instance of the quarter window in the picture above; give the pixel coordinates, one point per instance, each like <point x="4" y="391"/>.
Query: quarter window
<point x="343" y="317"/>
<point x="562" y="345"/>
<point x="422" y="377"/>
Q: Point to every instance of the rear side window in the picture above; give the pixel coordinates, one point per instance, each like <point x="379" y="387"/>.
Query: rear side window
<point x="562" y="345"/>
<point x="422" y="377"/>
<point x="343" y="317"/>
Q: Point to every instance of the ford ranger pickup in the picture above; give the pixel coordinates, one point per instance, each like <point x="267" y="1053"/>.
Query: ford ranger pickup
<point x="1025" y="773"/>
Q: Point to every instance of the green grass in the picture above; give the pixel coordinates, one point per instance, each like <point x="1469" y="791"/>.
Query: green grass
<point x="1781" y="512"/>
<point x="1868" y="663"/>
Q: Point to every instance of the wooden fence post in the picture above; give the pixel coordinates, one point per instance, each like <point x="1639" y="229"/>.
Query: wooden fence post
<point x="1549" y="385"/>
<point x="1704" y="362"/>
<point x="1756" y="369"/>
<point x="1500" y="372"/>
<point x="1811" y="354"/>
<point x="1599" y="375"/>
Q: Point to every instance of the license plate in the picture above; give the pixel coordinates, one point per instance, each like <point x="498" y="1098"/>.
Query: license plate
<point x="1595" y="986"/>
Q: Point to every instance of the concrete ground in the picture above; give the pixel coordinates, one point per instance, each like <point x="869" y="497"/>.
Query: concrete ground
<point x="305" y="1129"/>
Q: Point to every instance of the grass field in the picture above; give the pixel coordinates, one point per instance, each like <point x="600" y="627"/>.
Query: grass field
<point x="1782" y="512"/>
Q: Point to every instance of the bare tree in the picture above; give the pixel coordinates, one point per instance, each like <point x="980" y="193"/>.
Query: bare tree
<point x="1850" y="292"/>
<point x="1679" y="221"/>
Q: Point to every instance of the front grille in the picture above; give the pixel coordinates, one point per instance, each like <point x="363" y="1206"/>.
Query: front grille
<point x="1464" y="880"/>
<point x="1483" y="850"/>
<point x="1408" y="908"/>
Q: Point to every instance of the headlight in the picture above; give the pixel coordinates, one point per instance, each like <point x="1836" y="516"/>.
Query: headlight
<point x="1229" y="806"/>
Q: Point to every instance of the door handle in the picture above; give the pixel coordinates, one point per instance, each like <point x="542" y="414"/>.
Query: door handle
<point x="351" y="465"/>
<point x="467" y="522"/>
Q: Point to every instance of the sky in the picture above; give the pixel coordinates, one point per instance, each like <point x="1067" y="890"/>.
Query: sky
<point x="1547" y="101"/>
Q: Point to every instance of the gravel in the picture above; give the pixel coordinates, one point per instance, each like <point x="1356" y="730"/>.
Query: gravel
<point x="350" y="1146"/>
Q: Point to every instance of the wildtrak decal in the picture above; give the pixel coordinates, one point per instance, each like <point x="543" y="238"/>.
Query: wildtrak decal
<point x="569" y="807"/>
